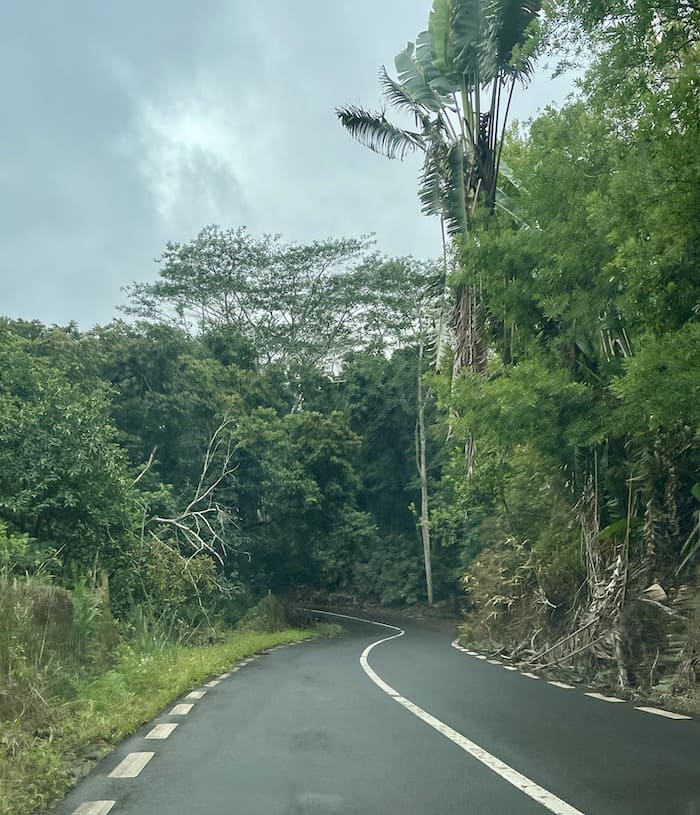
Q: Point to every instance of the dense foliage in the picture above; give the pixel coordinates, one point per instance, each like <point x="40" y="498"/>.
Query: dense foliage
<point x="256" y="426"/>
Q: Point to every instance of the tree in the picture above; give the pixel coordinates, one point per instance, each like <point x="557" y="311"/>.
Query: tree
<point x="297" y="306"/>
<point x="471" y="49"/>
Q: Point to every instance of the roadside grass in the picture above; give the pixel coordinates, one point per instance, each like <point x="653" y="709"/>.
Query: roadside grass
<point x="40" y="767"/>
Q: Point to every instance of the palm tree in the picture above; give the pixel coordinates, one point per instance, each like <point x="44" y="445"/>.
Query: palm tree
<point x="457" y="82"/>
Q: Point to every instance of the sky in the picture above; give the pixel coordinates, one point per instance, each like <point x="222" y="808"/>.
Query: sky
<point x="128" y="124"/>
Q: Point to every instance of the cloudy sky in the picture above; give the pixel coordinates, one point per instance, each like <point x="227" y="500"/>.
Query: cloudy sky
<point x="127" y="124"/>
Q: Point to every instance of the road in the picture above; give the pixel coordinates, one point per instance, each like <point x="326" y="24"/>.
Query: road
<point x="419" y="728"/>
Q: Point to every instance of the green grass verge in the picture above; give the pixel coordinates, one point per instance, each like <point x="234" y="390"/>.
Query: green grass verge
<point x="38" y="768"/>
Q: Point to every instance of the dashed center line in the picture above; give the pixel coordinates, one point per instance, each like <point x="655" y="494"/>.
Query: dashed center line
<point x="94" y="808"/>
<point x="666" y="713"/>
<point x="131" y="766"/>
<point x="604" y="698"/>
<point x="161" y="731"/>
<point x="181" y="710"/>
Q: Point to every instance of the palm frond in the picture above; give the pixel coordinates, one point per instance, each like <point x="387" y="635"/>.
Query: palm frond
<point x="398" y="98"/>
<point x="376" y="132"/>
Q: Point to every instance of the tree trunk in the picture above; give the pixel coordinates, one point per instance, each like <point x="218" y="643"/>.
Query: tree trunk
<point x="422" y="465"/>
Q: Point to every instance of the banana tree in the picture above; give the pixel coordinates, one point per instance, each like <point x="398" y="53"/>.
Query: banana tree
<point x="456" y="82"/>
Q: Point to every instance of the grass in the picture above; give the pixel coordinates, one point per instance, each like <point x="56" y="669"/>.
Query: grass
<point x="40" y="767"/>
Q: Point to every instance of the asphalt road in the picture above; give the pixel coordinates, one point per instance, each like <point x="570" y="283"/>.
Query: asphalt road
<point x="423" y="730"/>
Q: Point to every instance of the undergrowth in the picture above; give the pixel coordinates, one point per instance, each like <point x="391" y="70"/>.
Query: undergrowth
<point x="38" y="766"/>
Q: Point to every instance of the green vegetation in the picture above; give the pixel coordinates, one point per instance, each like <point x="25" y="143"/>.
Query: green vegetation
<point x="36" y="769"/>
<point x="515" y="425"/>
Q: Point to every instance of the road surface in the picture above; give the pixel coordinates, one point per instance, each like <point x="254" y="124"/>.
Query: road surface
<point x="411" y="726"/>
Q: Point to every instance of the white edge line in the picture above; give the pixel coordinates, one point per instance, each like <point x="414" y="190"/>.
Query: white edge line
<point x="601" y="697"/>
<point x="131" y="766"/>
<point x="161" y="731"/>
<point x="181" y="710"/>
<point x="561" y="685"/>
<point x="513" y="777"/>
<point x="94" y="808"/>
<point x="666" y="713"/>
<point x="529" y="675"/>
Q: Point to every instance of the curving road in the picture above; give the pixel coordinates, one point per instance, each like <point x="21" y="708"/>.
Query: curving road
<point x="415" y="727"/>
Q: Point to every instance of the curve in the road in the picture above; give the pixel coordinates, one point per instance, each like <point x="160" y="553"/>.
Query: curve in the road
<point x="530" y="788"/>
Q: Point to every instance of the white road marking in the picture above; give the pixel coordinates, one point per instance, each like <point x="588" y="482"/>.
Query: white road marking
<point x="561" y="685"/>
<point x="510" y="667"/>
<point x="479" y="656"/>
<point x="529" y="675"/>
<point x="131" y="766"/>
<point x="224" y="676"/>
<point x="160" y="731"/>
<point x="196" y="694"/>
<point x="494" y="661"/>
<point x="604" y="698"/>
<point x="236" y="668"/>
<point x="181" y="710"/>
<point x="519" y="781"/>
<point x="94" y="808"/>
<point x="658" y="712"/>
<point x="212" y="684"/>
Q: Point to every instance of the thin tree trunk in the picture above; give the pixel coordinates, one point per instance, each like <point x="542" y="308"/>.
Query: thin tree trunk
<point x="422" y="465"/>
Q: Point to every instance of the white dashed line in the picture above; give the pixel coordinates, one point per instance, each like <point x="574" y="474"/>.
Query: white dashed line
<point x="494" y="661"/>
<point x="161" y="731"/>
<point x="479" y="656"/>
<point x="519" y="781"/>
<point x="561" y="685"/>
<point x="604" y="698"/>
<point x="94" y="808"/>
<point x="666" y="713"/>
<point x="212" y="684"/>
<point x="181" y="710"/>
<point x="529" y="675"/>
<point x="196" y="694"/>
<point x="224" y="676"/>
<point x="131" y="766"/>
<point x="510" y="667"/>
<point x="233" y="670"/>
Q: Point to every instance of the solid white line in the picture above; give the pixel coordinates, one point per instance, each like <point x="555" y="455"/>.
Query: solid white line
<point x="181" y="710"/>
<point x="131" y="766"/>
<point x="519" y="781"/>
<point x="603" y="698"/>
<point x="666" y="713"/>
<point x="161" y="731"/>
<point x="196" y="694"/>
<point x="529" y="675"/>
<point x="561" y="685"/>
<point x="94" y="808"/>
